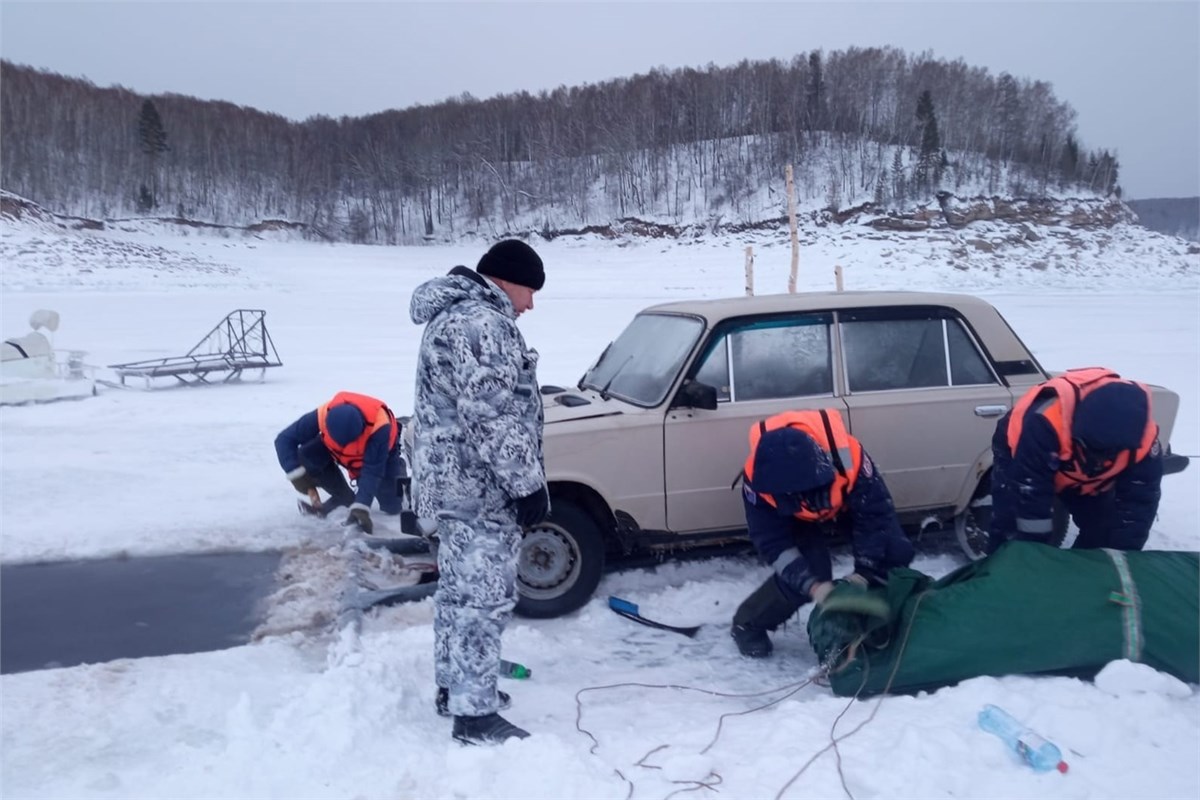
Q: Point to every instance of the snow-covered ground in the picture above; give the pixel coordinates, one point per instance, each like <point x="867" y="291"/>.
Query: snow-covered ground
<point x="345" y="716"/>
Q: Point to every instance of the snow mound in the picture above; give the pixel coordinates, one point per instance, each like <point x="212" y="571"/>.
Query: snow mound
<point x="43" y="250"/>
<point x="1124" y="678"/>
<point x="18" y="212"/>
<point x="78" y="260"/>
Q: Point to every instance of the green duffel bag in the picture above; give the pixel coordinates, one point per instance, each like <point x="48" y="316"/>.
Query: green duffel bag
<point x="1027" y="609"/>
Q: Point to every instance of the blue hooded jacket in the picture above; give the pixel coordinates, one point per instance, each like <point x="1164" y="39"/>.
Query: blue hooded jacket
<point x="299" y="444"/>
<point x="1110" y="419"/>
<point x="787" y="461"/>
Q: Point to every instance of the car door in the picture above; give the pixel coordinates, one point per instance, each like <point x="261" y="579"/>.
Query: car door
<point x="760" y="367"/>
<point x="922" y="397"/>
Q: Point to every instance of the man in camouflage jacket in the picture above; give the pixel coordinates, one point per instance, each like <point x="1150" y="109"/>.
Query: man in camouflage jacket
<point x="477" y="470"/>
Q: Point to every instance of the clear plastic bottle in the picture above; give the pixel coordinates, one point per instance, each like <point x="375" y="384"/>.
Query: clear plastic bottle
<point x="1032" y="748"/>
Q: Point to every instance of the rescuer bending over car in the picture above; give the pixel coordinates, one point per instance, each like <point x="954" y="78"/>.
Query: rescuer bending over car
<point x="804" y="473"/>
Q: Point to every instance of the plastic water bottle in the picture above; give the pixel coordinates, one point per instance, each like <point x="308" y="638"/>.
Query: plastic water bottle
<point x="511" y="669"/>
<point x="1032" y="748"/>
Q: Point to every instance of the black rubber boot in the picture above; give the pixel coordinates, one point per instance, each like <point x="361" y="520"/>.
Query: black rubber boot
<point x="331" y="479"/>
<point x="488" y="729"/>
<point x="764" y="610"/>
<point x="441" y="701"/>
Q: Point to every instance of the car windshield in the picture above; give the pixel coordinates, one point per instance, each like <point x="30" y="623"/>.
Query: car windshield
<point x="643" y="362"/>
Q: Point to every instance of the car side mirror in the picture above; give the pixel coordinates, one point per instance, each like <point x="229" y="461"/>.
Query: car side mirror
<point x="694" y="394"/>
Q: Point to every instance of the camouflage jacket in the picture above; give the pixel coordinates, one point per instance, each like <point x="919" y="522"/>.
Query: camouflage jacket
<point x="477" y="414"/>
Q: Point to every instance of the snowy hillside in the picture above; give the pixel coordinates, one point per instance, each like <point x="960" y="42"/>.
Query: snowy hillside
<point x="966" y="243"/>
<point x="617" y="710"/>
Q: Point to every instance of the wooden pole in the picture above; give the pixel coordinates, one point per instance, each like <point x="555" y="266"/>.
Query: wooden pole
<point x="837" y="276"/>
<point x="749" y="270"/>
<point x="791" y="196"/>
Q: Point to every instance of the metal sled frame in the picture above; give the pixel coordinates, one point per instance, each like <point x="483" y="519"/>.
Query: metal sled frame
<point x="238" y="343"/>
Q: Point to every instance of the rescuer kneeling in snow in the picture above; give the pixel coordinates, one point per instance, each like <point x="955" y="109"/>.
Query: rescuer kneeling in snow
<point x="357" y="433"/>
<point x="805" y="471"/>
<point x="1089" y="438"/>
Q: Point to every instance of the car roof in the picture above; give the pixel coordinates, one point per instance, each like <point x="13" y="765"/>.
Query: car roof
<point x="997" y="336"/>
<point x="813" y="301"/>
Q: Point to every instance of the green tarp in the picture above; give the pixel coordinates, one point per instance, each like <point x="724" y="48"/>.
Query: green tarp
<point x="1028" y="608"/>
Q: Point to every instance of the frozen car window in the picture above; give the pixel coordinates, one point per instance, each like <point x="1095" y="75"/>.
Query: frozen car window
<point x="790" y="361"/>
<point x="770" y="359"/>
<point x="715" y="369"/>
<point x="642" y="363"/>
<point x="967" y="365"/>
<point x="894" y="354"/>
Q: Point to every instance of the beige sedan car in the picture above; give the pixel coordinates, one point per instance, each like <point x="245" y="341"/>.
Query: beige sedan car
<point x="643" y="453"/>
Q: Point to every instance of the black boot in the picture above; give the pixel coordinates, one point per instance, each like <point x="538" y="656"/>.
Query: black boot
<point x="441" y="701"/>
<point x="752" y="642"/>
<point x="331" y="479"/>
<point x="488" y="729"/>
<point x="764" y="610"/>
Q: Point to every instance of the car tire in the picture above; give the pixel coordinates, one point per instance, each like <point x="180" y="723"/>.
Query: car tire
<point x="560" y="562"/>
<point x="972" y="525"/>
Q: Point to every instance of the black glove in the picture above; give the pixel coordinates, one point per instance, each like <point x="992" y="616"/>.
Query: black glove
<point x="360" y="516"/>
<point x="817" y="499"/>
<point x="532" y="508"/>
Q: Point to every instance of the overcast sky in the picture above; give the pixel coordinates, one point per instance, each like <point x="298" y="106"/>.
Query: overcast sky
<point x="1131" y="70"/>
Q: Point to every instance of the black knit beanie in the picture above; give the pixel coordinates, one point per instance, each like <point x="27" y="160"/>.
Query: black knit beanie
<point x="514" y="261"/>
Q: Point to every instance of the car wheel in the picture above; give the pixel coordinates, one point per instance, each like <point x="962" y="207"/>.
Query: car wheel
<point x="560" y="562"/>
<point x="972" y="525"/>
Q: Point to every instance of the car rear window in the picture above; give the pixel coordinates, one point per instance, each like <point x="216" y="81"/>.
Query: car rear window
<point x="910" y="350"/>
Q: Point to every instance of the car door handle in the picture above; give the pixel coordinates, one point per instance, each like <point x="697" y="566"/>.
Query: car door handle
<point x="990" y="411"/>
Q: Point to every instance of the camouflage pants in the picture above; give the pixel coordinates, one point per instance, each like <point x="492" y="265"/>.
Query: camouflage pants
<point x="477" y="574"/>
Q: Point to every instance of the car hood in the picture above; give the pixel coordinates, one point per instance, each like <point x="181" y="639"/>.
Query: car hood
<point x="574" y="404"/>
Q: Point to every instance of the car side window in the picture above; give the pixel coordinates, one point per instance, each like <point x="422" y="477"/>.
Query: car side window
<point x="968" y="367"/>
<point x="888" y="354"/>
<point x="770" y="359"/>
<point x="714" y="371"/>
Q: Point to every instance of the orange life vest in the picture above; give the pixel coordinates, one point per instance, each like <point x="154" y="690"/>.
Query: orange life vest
<point x="827" y="430"/>
<point x="1066" y="391"/>
<point x="376" y="414"/>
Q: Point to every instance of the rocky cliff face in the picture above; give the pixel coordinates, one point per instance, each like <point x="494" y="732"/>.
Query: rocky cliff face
<point x="17" y="209"/>
<point x="951" y="211"/>
<point x="952" y="243"/>
<point x="947" y="212"/>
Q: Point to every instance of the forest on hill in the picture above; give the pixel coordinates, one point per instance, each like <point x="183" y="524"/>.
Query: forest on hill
<point x="706" y="146"/>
